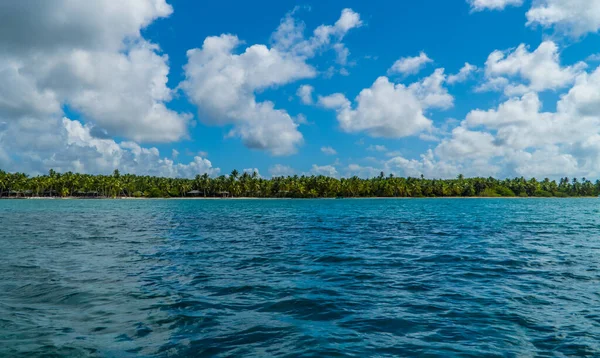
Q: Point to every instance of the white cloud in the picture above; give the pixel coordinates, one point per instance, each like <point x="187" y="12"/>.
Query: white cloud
<point x="383" y="110"/>
<point x="289" y="36"/>
<point x="572" y="17"/>
<point x="583" y="100"/>
<point x="377" y="148"/>
<point x="462" y="75"/>
<point x="362" y="171"/>
<point x="545" y="162"/>
<point x="428" y="137"/>
<point x="301" y="119"/>
<point x="593" y="57"/>
<point x="91" y="57"/>
<point x="395" y="153"/>
<point x="391" y="110"/>
<point x="223" y="85"/>
<point x="481" y="5"/>
<point x="68" y="145"/>
<point x="326" y="170"/>
<point x="328" y="151"/>
<point x="42" y="26"/>
<point x="431" y="91"/>
<point x="279" y="170"/>
<point x="427" y="166"/>
<point x="305" y="93"/>
<point x="467" y="144"/>
<point x="334" y="101"/>
<point x="125" y="94"/>
<point x="518" y="138"/>
<point x="496" y="84"/>
<point x="519" y="123"/>
<point x="410" y="65"/>
<point x="540" y="70"/>
<point x="251" y="171"/>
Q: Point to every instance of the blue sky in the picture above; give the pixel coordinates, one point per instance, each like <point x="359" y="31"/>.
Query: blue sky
<point x="119" y="89"/>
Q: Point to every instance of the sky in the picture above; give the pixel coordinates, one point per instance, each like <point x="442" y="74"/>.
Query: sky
<point x="502" y="88"/>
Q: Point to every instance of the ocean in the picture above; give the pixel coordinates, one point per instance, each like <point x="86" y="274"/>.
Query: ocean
<point x="300" y="278"/>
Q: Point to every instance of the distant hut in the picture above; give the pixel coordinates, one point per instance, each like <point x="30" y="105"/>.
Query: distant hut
<point x="194" y="193"/>
<point x="14" y="193"/>
<point x="224" y="194"/>
<point x="91" y="194"/>
<point x="283" y="193"/>
<point x="51" y="193"/>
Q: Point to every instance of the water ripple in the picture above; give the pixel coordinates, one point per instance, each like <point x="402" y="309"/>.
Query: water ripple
<point x="311" y="278"/>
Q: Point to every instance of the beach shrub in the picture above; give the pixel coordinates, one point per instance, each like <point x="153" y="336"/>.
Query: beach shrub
<point x="154" y="193"/>
<point x="543" y="194"/>
<point x="490" y="193"/>
<point x="504" y="191"/>
<point x="560" y="194"/>
<point x="468" y="191"/>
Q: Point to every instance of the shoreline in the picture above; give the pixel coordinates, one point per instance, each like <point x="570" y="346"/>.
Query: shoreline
<point x="344" y="198"/>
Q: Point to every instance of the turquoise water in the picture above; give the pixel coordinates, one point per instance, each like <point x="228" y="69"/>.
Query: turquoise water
<point x="179" y="278"/>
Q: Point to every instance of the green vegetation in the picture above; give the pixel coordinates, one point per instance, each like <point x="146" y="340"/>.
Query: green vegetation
<point x="251" y="185"/>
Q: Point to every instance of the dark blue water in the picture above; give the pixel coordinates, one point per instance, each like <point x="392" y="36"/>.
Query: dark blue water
<point x="175" y="278"/>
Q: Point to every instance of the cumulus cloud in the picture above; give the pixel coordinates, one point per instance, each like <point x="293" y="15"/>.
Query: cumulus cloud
<point x="593" y="57"/>
<point x="516" y="138"/>
<point x="519" y="138"/>
<point x="431" y="91"/>
<point x="362" y="171"/>
<point x="280" y="170"/>
<point x="391" y="110"/>
<point x="305" y="93"/>
<point x="328" y="151"/>
<point x="334" y="101"/>
<point x="91" y="57"/>
<point x="39" y="25"/>
<point x="572" y="17"/>
<point x="325" y="170"/>
<point x="481" y="5"/>
<point x="289" y="36"/>
<point x="462" y="75"/>
<point x="427" y="165"/>
<point x="377" y="148"/>
<point x="467" y="144"/>
<point x="251" y="171"/>
<point x="540" y="70"/>
<point x="383" y="110"/>
<point x="223" y="84"/>
<point x="410" y="65"/>
<point x="68" y="145"/>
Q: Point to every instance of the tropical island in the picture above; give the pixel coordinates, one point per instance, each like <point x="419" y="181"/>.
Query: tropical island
<point x="251" y="185"/>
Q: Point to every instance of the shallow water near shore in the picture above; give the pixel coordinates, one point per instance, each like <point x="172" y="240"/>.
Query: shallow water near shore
<point x="179" y="278"/>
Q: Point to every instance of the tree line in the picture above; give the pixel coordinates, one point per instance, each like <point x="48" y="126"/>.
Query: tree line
<point x="252" y="185"/>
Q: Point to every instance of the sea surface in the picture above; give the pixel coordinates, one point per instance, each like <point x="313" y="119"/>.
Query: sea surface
<point x="300" y="278"/>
